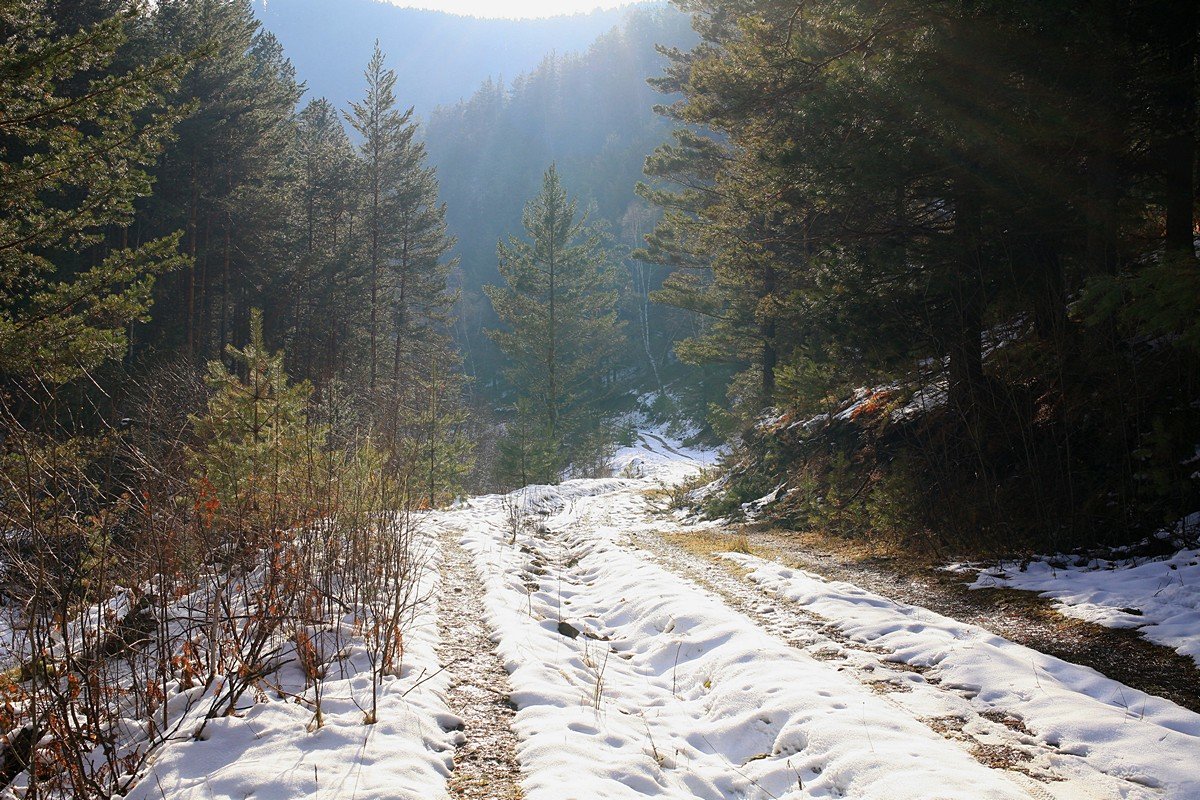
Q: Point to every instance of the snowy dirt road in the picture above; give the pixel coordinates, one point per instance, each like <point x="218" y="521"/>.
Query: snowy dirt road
<point x="638" y="670"/>
<point x="572" y="650"/>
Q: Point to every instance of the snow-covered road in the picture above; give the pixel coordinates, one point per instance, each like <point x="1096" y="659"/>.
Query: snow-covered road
<point x="632" y="680"/>
<point x="638" y="670"/>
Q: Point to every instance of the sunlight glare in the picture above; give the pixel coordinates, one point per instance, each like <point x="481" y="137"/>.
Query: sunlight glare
<point x="511" y="9"/>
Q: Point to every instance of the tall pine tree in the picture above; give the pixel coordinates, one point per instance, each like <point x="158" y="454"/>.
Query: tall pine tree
<point x="325" y="313"/>
<point x="223" y="182"/>
<point x="385" y="134"/>
<point x="561" y="334"/>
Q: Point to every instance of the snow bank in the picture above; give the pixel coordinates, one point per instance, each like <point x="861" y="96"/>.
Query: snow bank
<point x="270" y="750"/>
<point x="1159" y="597"/>
<point x="655" y="456"/>
<point x="1119" y="731"/>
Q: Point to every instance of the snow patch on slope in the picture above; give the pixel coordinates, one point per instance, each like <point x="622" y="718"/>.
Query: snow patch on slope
<point x="1159" y="597"/>
<point x="656" y="457"/>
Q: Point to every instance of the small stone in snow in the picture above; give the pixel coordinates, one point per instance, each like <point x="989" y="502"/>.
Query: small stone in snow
<point x="568" y="630"/>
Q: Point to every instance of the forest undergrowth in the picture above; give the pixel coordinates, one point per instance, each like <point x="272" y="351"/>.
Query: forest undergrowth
<point x="1044" y="465"/>
<point x="159" y="575"/>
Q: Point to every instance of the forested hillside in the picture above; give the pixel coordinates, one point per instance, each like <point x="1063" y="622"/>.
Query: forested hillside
<point x="982" y="216"/>
<point x="582" y="103"/>
<point x="439" y="58"/>
<point x="591" y="113"/>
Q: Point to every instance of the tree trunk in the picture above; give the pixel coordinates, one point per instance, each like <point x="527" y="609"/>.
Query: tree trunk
<point x="965" y="345"/>
<point x="376" y="213"/>
<point x="374" y="291"/>
<point x="551" y="355"/>
<point x="192" y="232"/>
<point x="769" y="356"/>
<point x="202" y="300"/>
<point x="401" y="313"/>
<point x="1050" y="292"/>
<point x="224" y="338"/>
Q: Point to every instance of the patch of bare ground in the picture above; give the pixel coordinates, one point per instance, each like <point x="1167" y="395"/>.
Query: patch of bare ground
<point x="485" y="763"/>
<point x="999" y="756"/>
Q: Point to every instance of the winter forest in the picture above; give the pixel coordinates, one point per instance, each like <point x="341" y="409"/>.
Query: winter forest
<point x="755" y="399"/>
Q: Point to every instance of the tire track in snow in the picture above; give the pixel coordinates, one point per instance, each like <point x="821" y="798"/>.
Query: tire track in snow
<point x="663" y="443"/>
<point x="995" y="736"/>
<point x="632" y="683"/>
<point x="990" y="739"/>
<point x="485" y="763"/>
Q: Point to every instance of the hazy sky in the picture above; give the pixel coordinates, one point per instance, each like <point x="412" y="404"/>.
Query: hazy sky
<point x="512" y="8"/>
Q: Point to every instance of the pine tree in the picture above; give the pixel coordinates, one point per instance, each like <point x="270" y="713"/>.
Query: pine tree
<point x="419" y="266"/>
<point x="405" y="246"/>
<point x="589" y="113"/>
<point x="386" y="134"/>
<point x="431" y="447"/>
<point x="890" y="182"/>
<point x="417" y="271"/>
<point x="257" y="451"/>
<point x="224" y="180"/>
<point x="325" y="310"/>
<point x="526" y="453"/>
<point x="73" y="163"/>
<point x="845" y="232"/>
<point x="722" y="274"/>
<point x="561" y="332"/>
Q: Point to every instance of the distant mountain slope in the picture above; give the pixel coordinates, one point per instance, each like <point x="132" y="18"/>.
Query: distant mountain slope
<point x="439" y="58"/>
<point x="589" y="112"/>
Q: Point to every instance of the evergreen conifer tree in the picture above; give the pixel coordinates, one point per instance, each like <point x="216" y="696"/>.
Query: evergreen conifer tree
<point x="561" y="334"/>
<point x="417" y="270"/>
<point x="405" y="248"/>
<point x="76" y="145"/>
<point x="257" y="450"/>
<point x="386" y="133"/>
<point x="432" y="448"/>
<point x="324" y="316"/>
<point x="419" y="266"/>
<point x="224" y="180"/>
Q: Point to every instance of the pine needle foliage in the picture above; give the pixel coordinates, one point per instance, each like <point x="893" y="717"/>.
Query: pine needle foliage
<point x="257" y="452"/>
<point x="76" y="142"/>
<point x="561" y="334"/>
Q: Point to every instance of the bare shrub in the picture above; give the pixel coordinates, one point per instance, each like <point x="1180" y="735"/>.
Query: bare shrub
<point x="148" y="591"/>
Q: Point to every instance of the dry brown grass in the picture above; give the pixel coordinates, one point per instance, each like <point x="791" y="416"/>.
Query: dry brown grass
<point x="877" y="551"/>
<point x="706" y="543"/>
